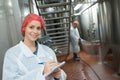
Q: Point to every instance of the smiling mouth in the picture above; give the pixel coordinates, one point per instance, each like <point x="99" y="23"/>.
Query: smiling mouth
<point x="34" y="36"/>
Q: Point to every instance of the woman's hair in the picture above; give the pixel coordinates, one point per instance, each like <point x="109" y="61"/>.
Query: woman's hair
<point x="30" y="17"/>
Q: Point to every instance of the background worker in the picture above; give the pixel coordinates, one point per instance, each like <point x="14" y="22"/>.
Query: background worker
<point x="75" y="40"/>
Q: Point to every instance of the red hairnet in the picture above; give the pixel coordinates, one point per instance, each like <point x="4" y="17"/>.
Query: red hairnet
<point x="75" y="23"/>
<point x="28" y="19"/>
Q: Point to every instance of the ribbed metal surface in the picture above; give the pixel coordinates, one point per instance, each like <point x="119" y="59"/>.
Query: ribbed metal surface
<point x="55" y="4"/>
<point x="57" y="18"/>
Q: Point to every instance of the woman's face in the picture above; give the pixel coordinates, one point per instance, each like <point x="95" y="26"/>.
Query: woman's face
<point x="32" y="31"/>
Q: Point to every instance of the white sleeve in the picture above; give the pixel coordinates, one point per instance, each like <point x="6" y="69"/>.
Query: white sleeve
<point x="74" y="38"/>
<point x="63" y="75"/>
<point x="52" y="53"/>
<point x="77" y="32"/>
<point x="11" y="70"/>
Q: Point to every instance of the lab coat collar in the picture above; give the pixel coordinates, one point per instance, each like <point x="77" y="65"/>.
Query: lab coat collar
<point x="25" y="50"/>
<point x="41" y="51"/>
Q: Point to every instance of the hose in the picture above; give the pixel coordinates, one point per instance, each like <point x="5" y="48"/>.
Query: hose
<point x="90" y="68"/>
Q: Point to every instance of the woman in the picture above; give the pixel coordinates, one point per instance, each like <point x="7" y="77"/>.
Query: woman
<point x="30" y="60"/>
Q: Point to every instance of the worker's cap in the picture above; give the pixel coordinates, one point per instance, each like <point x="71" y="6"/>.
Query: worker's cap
<point x="75" y="23"/>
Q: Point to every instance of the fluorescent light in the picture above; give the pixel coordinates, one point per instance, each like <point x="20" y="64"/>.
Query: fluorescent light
<point x="77" y="6"/>
<point x="9" y="3"/>
<point x="76" y="14"/>
<point x="72" y="0"/>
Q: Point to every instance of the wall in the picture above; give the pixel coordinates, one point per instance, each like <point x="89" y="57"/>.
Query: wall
<point x="116" y="20"/>
<point x="89" y="23"/>
<point x="10" y="20"/>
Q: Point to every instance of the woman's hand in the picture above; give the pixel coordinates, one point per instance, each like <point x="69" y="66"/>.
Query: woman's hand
<point x="56" y="73"/>
<point x="49" y="65"/>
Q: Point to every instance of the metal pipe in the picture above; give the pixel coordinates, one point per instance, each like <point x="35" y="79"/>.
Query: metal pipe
<point x="80" y="13"/>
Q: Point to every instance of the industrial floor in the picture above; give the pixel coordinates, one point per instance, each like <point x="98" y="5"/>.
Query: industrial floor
<point x="87" y="69"/>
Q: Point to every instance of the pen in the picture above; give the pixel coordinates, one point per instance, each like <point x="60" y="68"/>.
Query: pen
<point x="41" y="63"/>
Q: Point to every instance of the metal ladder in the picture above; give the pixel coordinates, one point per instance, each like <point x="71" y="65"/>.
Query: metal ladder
<point x="57" y="16"/>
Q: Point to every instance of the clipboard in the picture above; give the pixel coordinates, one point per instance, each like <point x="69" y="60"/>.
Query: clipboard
<point x="54" y="68"/>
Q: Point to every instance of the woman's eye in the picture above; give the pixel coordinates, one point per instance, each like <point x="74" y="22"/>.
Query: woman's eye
<point x="38" y="28"/>
<point x="31" y="27"/>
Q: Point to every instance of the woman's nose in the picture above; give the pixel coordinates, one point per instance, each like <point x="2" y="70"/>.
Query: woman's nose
<point x="35" y="30"/>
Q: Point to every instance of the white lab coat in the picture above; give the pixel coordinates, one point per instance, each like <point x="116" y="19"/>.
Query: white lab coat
<point x="74" y="39"/>
<point x="21" y="64"/>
